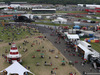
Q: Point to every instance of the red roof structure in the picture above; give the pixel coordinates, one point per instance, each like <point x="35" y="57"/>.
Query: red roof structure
<point x="14" y="54"/>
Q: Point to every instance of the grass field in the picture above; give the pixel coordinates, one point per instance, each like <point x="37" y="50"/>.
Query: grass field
<point x="53" y="24"/>
<point x="97" y="15"/>
<point x="44" y="45"/>
<point x="96" y="46"/>
<point x="71" y="12"/>
<point x="8" y="34"/>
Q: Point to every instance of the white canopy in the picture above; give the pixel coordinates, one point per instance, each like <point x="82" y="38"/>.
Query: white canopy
<point x="73" y="36"/>
<point x="16" y="68"/>
<point x="86" y="51"/>
<point x="60" y="20"/>
<point x="15" y="5"/>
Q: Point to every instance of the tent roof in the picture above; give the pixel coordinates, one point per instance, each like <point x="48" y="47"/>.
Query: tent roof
<point x="73" y="36"/>
<point x="76" y="26"/>
<point x="44" y="9"/>
<point x="84" y="48"/>
<point x="59" y="18"/>
<point x="16" y="68"/>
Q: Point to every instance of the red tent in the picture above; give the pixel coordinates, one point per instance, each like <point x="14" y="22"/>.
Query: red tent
<point x="84" y="28"/>
<point x="66" y="27"/>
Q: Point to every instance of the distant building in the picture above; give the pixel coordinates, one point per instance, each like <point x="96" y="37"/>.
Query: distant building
<point x="89" y="5"/>
<point x="43" y="11"/>
<point x="18" y="2"/>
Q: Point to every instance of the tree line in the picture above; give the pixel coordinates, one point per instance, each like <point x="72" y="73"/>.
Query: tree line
<point x="64" y="2"/>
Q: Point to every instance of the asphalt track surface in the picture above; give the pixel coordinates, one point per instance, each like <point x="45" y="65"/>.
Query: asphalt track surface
<point x="62" y="46"/>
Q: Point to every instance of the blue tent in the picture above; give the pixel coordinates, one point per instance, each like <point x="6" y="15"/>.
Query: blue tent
<point x="76" y="27"/>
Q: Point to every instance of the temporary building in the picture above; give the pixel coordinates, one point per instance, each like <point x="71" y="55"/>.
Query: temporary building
<point x="89" y="21"/>
<point x="76" y="27"/>
<point x="86" y="51"/>
<point x="85" y="44"/>
<point x="15" y="5"/>
<point x="97" y="17"/>
<point x="73" y="31"/>
<point x="16" y="68"/>
<point x="72" y="36"/>
<point x="81" y="34"/>
<point x="76" y="22"/>
<point x="66" y="27"/>
<point x="84" y="28"/>
<point x="60" y="20"/>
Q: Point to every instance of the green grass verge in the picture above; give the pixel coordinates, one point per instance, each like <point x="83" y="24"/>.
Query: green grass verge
<point x="96" y="46"/>
<point x="7" y="34"/>
<point x="52" y="24"/>
<point x="97" y="15"/>
<point x="71" y="12"/>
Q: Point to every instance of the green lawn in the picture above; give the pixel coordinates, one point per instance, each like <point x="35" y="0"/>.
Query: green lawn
<point x="52" y="24"/>
<point x="8" y="34"/>
<point x="97" y="15"/>
<point x="45" y="20"/>
<point x="82" y="38"/>
<point x="96" y="46"/>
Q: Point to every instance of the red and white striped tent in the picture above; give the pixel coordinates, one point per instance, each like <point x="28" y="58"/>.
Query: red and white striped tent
<point x="14" y="54"/>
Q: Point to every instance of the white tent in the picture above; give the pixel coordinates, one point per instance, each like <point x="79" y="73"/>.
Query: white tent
<point x="16" y="68"/>
<point x="15" y="5"/>
<point x="72" y="36"/>
<point x="76" y="22"/>
<point x="60" y="20"/>
<point x="86" y="51"/>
